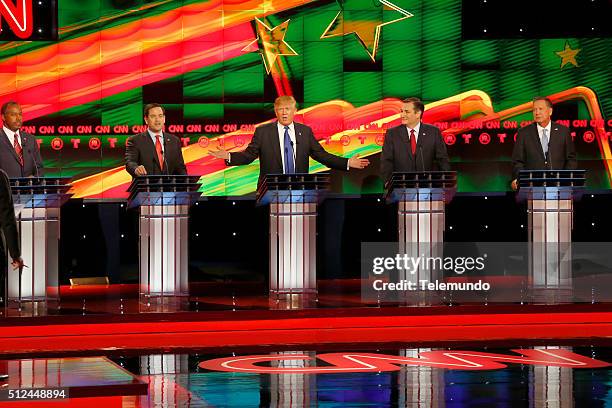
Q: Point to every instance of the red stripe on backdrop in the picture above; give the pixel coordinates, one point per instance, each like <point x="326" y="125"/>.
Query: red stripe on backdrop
<point x="163" y="62"/>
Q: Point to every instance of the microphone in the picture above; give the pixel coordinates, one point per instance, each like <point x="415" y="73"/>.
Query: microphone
<point x="422" y="161"/>
<point x="164" y="157"/>
<point x="36" y="171"/>
<point x="293" y="148"/>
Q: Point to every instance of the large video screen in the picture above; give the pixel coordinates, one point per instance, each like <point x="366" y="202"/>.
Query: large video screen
<point x="217" y="67"/>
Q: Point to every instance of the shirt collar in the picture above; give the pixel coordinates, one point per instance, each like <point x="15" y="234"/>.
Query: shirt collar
<point x="282" y="127"/>
<point x="416" y="128"/>
<point x="547" y="127"/>
<point x="10" y="133"/>
<point x="153" y="134"/>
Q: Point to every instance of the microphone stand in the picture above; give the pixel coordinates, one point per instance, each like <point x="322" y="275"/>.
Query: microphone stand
<point x="294" y="153"/>
<point x="164" y="157"/>
<point x="36" y="172"/>
<point x="20" y="274"/>
<point x="422" y="161"/>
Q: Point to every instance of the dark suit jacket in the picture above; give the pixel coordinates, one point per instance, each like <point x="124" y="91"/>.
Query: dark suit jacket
<point x="32" y="162"/>
<point x="8" y="224"/>
<point x="140" y="150"/>
<point x="528" y="153"/>
<point x="397" y="155"/>
<point x="266" y="146"/>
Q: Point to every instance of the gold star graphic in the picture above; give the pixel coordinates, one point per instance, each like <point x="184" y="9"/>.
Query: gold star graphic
<point x="568" y="55"/>
<point x="271" y="43"/>
<point x="364" y="18"/>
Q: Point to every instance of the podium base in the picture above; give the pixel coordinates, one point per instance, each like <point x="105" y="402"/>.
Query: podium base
<point x="164" y="238"/>
<point x="552" y="296"/>
<point x="293" y="248"/>
<point x="39" y="231"/>
<point x="163" y="304"/>
<point x="292" y="301"/>
<point x="30" y="308"/>
<point x="422" y="298"/>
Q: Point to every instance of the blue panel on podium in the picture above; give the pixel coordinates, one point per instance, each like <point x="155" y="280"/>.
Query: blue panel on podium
<point x="417" y="194"/>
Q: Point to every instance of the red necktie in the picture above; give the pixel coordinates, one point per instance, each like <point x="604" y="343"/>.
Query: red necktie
<point x="18" y="148"/>
<point x="160" y="152"/>
<point x="412" y="142"/>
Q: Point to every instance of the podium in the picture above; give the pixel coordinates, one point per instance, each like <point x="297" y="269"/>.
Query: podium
<point x="37" y="203"/>
<point x="293" y="200"/>
<point x="421" y="197"/>
<point x="164" y="202"/>
<point x="550" y="195"/>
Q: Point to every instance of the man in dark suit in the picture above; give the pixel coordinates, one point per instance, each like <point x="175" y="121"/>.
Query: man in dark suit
<point x="413" y="145"/>
<point x="285" y="146"/>
<point x="154" y="151"/>
<point x="542" y="145"/>
<point x="8" y="234"/>
<point x="19" y="153"/>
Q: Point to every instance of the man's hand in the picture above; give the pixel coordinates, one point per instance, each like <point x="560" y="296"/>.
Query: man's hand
<point x="17" y="263"/>
<point x="220" y="154"/>
<point x="514" y="185"/>
<point x="356" y="163"/>
<point x="140" y="170"/>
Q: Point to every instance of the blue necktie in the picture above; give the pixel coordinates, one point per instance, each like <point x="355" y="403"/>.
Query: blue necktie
<point x="289" y="165"/>
<point x="545" y="141"/>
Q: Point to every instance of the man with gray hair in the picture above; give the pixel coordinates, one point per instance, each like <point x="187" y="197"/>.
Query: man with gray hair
<point x="542" y="145"/>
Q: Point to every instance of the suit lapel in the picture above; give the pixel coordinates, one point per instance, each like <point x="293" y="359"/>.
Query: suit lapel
<point x="148" y="143"/>
<point x="166" y="147"/>
<point x="24" y="143"/>
<point x="421" y="138"/>
<point x="276" y="150"/>
<point x="8" y="144"/>
<point x="300" y="145"/>
<point x="538" y="142"/>
<point x="554" y="130"/>
<point x="405" y="138"/>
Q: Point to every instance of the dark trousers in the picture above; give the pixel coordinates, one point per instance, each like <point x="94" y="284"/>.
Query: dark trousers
<point x="3" y="275"/>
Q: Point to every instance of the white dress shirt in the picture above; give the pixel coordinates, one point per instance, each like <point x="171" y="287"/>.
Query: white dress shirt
<point x="161" y="138"/>
<point x="11" y="136"/>
<point x="416" y="131"/>
<point x="541" y="131"/>
<point x="281" y="140"/>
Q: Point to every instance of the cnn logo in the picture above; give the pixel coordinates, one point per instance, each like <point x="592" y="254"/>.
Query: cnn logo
<point x="18" y="16"/>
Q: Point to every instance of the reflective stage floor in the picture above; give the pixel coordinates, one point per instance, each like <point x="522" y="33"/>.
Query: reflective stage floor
<point x="105" y="348"/>
<point x="465" y="375"/>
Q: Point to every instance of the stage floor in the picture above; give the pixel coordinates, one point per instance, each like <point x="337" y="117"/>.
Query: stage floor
<point x="561" y="374"/>
<point x="238" y="347"/>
